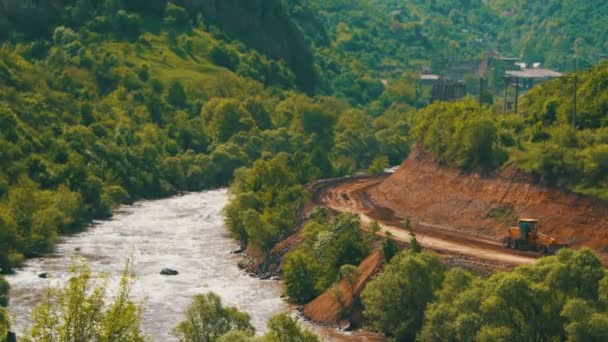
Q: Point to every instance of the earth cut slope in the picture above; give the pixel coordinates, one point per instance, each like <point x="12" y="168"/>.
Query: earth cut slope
<point x="484" y="206"/>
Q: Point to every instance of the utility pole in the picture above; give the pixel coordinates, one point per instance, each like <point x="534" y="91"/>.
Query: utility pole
<point x="480" y="91"/>
<point x="574" y="100"/>
<point x="507" y="80"/>
<point x="516" y="95"/>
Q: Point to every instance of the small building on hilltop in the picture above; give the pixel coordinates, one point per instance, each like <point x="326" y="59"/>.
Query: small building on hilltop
<point x="530" y="76"/>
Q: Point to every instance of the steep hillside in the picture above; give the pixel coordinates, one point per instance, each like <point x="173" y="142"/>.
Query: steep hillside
<point x="124" y="103"/>
<point x="374" y="40"/>
<point x="561" y="33"/>
<point x="262" y="25"/>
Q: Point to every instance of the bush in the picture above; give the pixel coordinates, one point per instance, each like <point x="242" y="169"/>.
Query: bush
<point x="95" y="319"/>
<point x="224" y="56"/>
<point x="177" y="95"/>
<point x="207" y="320"/>
<point x="282" y="328"/>
<point x="300" y="274"/>
<point x="126" y="25"/>
<point x="378" y="165"/>
<point x="176" y="16"/>
<point x="411" y="280"/>
<point x="313" y="268"/>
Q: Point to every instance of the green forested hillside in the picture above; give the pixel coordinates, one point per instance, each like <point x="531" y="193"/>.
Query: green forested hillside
<point x="127" y="103"/>
<point x="545" y="139"/>
<point x="562" y="33"/>
<point x="261" y="25"/>
<point x="107" y="102"/>
<point x="372" y="40"/>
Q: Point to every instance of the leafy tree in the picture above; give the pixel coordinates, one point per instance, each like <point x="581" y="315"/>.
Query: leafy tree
<point x="439" y="321"/>
<point x="351" y="274"/>
<point x="584" y="322"/>
<point x="176" y="16"/>
<point x="4" y="288"/>
<point x="300" y="274"/>
<point x="283" y="328"/>
<point x="126" y="25"/>
<point x="389" y="247"/>
<point x="224" y="56"/>
<point x="545" y="301"/>
<point x="78" y="312"/>
<point x="226" y="117"/>
<point x="237" y="336"/>
<point x="378" y="165"/>
<point x="4" y="322"/>
<point x="395" y="300"/>
<point x="8" y="237"/>
<point x="313" y="268"/>
<point x="207" y="320"/>
<point x="177" y="95"/>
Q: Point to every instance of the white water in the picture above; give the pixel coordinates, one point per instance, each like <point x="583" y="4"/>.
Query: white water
<point x="186" y="233"/>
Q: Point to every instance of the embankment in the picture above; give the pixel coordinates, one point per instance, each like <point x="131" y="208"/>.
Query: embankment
<point x="340" y="302"/>
<point x="484" y="206"/>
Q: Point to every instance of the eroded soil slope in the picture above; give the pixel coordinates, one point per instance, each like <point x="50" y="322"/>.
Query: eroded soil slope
<point x="485" y="206"/>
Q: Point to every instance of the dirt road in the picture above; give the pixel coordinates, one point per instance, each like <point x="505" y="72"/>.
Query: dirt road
<point x="350" y="195"/>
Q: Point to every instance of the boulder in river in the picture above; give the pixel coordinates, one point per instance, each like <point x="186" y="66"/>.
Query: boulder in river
<point x="167" y="271"/>
<point x="238" y="250"/>
<point x="43" y="275"/>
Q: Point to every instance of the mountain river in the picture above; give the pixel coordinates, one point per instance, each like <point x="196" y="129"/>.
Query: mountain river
<point x="186" y="233"/>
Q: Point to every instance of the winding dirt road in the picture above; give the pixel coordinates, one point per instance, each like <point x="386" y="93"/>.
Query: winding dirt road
<point x="350" y="195"/>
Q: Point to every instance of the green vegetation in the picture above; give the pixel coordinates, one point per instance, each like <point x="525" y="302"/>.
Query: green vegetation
<point x="80" y="312"/>
<point x="319" y="139"/>
<point x="389" y="247"/>
<point x="366" y="41"/>
<point x="4" y="317"/>
<point x="561" y="297"/>
<point x="123" y="101"/>
<point x="542" y="141"/>
<point x="558" y="32"/>
<point x="207" y="320"/>
<point x="326" y="255"/>
<point x="395" y="300"/>
<point x="107" y="102"/>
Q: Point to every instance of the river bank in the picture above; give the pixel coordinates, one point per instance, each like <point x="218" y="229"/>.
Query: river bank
<point x="186" y="233"/>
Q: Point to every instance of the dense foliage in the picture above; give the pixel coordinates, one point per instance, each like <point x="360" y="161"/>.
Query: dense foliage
<point x="4" y="317"/>
<point x="561" y="33"/>
<point x="80" y="311"/>
<point x="327" y="246"/>
<point x="370" y="43"/>
<point x="395" y="300"/>
<point x="120" y="103"/>
<point x="207" y="320"/>
<point x="106" y="102"/>
<point x="546" y="141"/>
<point x="561" y="297"/>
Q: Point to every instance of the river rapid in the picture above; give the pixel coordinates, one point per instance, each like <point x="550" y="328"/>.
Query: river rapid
<point x="186" y="233"/>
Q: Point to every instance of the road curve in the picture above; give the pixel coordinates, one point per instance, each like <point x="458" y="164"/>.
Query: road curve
<point x="350" y="195"/>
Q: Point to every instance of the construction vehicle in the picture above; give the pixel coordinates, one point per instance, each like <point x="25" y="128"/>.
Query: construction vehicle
<point x="526" y="236"/>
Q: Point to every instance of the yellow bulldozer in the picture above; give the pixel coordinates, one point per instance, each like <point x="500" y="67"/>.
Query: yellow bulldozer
<point x="526" y="236"/>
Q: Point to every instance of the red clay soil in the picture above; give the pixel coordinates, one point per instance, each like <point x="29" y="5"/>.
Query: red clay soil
<point x="484" y="206"/>
<point x="326" y="309"/>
